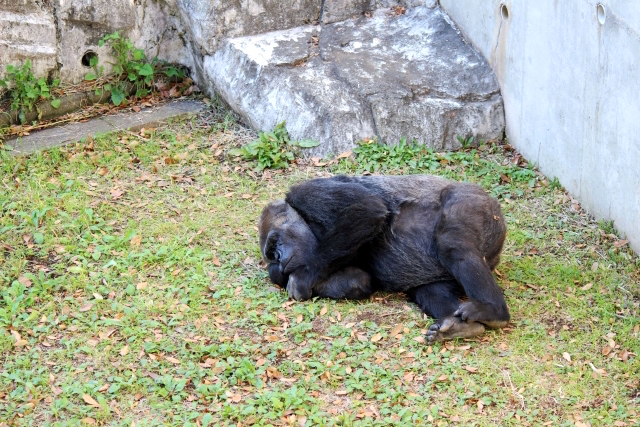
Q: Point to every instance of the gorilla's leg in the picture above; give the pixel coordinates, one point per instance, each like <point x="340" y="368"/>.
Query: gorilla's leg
<point x="348" y="283"/>
<point x="440" y="300"/>
<point x="471" y="230"/>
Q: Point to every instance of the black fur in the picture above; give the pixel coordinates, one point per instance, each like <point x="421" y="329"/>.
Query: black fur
<point x="434" y="239"/>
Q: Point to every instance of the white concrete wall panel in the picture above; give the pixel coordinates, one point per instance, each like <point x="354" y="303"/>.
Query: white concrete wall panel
<point x="571" y="89"/>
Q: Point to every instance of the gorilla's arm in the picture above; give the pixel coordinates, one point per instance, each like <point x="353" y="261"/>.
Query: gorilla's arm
<point x="343" y="215"/>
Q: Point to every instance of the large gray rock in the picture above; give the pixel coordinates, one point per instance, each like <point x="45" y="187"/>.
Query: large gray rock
<point x="388" y="77"/>
<point x="267" y="87"/>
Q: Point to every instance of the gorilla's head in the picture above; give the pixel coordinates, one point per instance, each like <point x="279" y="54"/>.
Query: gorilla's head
<point x="286" y="241"/>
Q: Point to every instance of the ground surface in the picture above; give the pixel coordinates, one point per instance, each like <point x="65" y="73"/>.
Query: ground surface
<point x="131" y="293"/>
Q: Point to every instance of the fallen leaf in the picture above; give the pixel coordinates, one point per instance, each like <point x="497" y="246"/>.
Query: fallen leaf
<point x="261" y="362"/>
<point x="376" y="338"/>
<point x="24" y="281"/>
<point x="396" y="330"/>
<point x="566" y="356"/>
<point x="620" y="243"/>
<point x="124" y="350"/>
<point x="344" y="155"/>
<point x="172" y="360"/>
<point x="116" y="193"/>
<point x="324" y="310"/>
<point x="419" y="339"/>
<point x="216" y="261"/>
<point x="57" y="391"/>
<point x="471" y="369"/>
<point x="587" y="287"/>
<point x="299" y="318"/>
<point x="136" y="240"/>
<point x="142" y="285"/>
<point x="624" y="356"/>
<point x="85" y="307"/>
<point x="90" y="401"/>
<point x="88" y="420"/>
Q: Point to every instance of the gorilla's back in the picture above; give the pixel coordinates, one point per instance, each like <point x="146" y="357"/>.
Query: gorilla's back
<point x="404" y="256"/>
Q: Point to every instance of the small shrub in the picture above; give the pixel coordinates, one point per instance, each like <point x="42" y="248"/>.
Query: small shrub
<point x="25" y="89"/>
<point x="131" y="66"/>
<point x="465" y="142"/>
<point x="273" y="149"/>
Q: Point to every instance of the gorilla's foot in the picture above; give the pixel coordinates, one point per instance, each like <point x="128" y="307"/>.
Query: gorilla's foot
<point x="453" y="327"/>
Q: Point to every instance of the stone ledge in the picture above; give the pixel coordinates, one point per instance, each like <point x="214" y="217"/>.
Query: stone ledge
<point x="387" y="76"/>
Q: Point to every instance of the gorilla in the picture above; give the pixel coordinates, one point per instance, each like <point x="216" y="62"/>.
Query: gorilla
<point x="433" y="239"/>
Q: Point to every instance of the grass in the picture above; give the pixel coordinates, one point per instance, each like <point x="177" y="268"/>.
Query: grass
<point x="131" y="293"/>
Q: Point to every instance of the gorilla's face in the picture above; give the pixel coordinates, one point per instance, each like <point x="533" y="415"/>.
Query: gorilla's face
<point x="286" y="241"/>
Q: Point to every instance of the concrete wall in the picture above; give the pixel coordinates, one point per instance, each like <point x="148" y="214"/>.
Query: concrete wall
<point x="571" y="89"/>
<point x="55" y="34"/>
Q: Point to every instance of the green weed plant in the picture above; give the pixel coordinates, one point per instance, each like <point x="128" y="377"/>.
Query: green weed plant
<point x="25" y="90"/>
<point x="273" y="150"/>
<point x="131" y="66"/>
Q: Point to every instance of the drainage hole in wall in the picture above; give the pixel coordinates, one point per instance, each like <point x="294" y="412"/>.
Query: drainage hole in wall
<point x="602" y="15"/>
<point x="504" y="12"/>
<point x="87" y="57"/>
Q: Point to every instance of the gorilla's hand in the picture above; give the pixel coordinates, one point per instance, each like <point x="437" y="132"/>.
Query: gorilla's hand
<point x="300" y="285"/>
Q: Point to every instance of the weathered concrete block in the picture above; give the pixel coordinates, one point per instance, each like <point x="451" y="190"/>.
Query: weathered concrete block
<point x="25" y="36"/>
<point x="55" y="35"/>
<point x="388" y="77"/>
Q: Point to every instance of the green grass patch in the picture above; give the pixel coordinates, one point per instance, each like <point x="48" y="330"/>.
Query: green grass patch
<point x="131" y="291"/>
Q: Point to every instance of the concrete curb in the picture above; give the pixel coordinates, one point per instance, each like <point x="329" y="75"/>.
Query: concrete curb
<point x="132" y="121"/>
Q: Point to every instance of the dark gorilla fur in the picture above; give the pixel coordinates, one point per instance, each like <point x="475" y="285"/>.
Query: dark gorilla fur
<point x="433" y="239"/>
